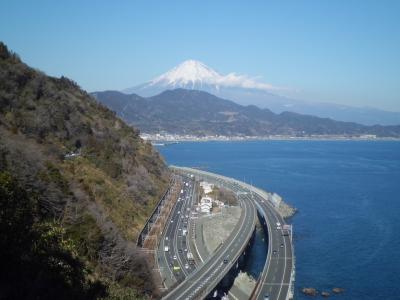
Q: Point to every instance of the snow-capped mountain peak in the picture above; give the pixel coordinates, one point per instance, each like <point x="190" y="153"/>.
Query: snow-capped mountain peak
<point x="190" y="73"/>
<point x="195" y="75"/>
<point x="245" y="90"/>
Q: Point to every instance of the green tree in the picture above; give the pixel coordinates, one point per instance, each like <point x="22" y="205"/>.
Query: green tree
<point x="36" y="261"/>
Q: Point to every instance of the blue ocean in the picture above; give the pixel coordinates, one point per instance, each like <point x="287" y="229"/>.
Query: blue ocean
<point x="347" y="229"/>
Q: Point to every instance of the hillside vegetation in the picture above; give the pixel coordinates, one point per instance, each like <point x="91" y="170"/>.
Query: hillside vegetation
<point x="89" y="206"/>
<point x="199" y="113"/>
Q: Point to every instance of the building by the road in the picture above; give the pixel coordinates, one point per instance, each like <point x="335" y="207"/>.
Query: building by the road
<point x="205" y="204"/>
<point x="207" y="187"/>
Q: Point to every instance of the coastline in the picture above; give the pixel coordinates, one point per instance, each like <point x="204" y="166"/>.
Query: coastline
<point x="284" y="209"/>
<point x="163" y="139"/>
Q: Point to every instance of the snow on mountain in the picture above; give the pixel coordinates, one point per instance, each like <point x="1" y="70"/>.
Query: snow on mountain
<point x="244" y="90"/>
<point x="193" y="74"/>
<point x="190" y="73"/>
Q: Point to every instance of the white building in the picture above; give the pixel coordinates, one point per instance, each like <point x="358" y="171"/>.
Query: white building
<point x="219" y="203"/>
<point x="207" y="187"/>
<point x="205" y="205"/>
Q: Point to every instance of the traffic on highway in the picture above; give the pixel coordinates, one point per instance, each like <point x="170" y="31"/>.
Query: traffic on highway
<point x="175" y="254"/>
<point x="197" y="281"/>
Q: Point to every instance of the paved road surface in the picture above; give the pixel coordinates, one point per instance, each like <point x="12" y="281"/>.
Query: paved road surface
<point x="207" y="276"/>
<point x="275" y="277"/>
<point x="175" y="259"/>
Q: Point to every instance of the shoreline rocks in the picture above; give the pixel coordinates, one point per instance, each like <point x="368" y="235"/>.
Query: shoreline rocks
<point x="309" y="291"/>
<point x="286" y="210"/>
<point x="338" y="290"/>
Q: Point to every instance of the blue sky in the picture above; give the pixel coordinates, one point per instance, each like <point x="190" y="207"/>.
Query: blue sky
<point x="333" y="51"/>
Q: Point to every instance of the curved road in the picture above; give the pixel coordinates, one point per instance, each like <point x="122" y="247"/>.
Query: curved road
<point x="274" y="280"/>
<point x="201" y="282"/>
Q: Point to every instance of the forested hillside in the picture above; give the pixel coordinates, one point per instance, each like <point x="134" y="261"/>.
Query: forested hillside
<point x="76" y="185"/>
<point x="199" y="113"/>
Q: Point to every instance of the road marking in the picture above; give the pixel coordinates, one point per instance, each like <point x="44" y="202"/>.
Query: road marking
<point x="219" y="256"/>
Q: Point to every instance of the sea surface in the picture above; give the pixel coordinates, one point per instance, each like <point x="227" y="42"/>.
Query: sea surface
<point x="347" y="229"/>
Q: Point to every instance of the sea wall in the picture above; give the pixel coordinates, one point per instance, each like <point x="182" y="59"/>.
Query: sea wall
<point x="284" y="209"/>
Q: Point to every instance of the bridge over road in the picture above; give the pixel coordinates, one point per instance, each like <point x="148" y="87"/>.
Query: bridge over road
<point x="277" y="277"/>
<point x="206" y="277"/>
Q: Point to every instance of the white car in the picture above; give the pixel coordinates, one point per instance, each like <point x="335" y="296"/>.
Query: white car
<point x="186" y="266"/>
<point x="175" y="257"/>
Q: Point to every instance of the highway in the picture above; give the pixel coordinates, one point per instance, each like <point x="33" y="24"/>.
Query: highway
<point x="274" y="280"/>
<point x="173" y="237"/>
<point x="275" y="277"/>
<point x="201" y="282"/>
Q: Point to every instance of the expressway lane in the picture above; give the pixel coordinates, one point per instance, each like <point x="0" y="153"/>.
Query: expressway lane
<point x="275" y="278"/>
<point x="174" y="259"/>
<point x="180" y="237"/>
<point x="207" y="276"/>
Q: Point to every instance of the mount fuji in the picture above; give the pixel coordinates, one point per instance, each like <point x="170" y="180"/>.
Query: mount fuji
<point x="244" y="90"/>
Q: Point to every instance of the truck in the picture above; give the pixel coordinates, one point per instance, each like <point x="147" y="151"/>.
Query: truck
<point x="286" y="230"/>
<point x="190" y="258"/>
<point x="166" y="248"/>
<point x="176" y="268"/>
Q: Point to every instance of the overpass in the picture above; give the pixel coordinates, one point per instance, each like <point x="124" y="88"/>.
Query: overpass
<point x="277" y="277"/>
<point x="201" y="282"/>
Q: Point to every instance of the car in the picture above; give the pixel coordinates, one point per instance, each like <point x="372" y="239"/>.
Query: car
<point x="175" y="257"/>
<point x="172" y="221"/>
<point x="180" y="250"/>
<point x="274" y="252"/>
<point x="278" y="228"/>
<point x="166" y="238"/>
<point x="171" y="265"/>
<point x="186" y="266"/>
<point x="281" y="245"/>
<point x="185" y="250"/>
<point x="266" y="297"/>
<point x="179" y="212"/>
<point x="225" y="261"/>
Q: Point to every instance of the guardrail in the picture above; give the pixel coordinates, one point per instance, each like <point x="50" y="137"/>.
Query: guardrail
<point x="263" y="194"/>
<point x="154" y="215"/>
<point x="207" y="289"/>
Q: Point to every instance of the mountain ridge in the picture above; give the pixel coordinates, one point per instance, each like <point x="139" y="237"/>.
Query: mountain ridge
<point x="200" y="113"/>
<point x="245" y="90"/>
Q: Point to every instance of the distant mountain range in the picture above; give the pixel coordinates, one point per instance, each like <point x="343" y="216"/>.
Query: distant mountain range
<point x="244" y="90"/>
<point x="199" y="113"/>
